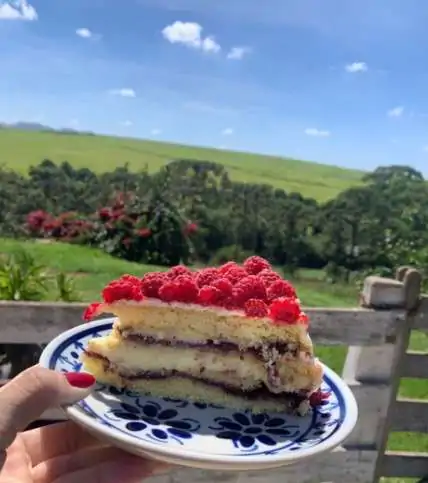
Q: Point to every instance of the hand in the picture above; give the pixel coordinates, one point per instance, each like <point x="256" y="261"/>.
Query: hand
<point x="59" y="453"/>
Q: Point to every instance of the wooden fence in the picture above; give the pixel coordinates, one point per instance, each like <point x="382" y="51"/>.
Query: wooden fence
<point x="377" y="335"/>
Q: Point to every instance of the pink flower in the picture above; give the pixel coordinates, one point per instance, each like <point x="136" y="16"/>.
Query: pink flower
<point x="144" y="232"/>
<point x="104" y="213"/>
<point x="190" y="228"/>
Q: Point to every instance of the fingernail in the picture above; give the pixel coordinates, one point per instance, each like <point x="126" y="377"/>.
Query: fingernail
<point x="81" y="380"/>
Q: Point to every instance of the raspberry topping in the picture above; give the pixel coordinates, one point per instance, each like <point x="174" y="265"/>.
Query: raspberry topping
<point x="224" y="285"/>
<point x="209" y="295"/>
<point x="187" y="289"/>
<point x="304" y="319"/>
<point x="167" y="292"/>
<point x="256" y="308"/>
<point x="206" y="276"/>
<point x="178" y="270"/>
<point x="127" y="287"/>
<point x="253" y="288"/>
<point x="91" y="311"/>
<point x="269" y="277"/>
<point x="254" y="265"/>
<point x="234" y="274"/>
<point x="182" y="289"/>
<point x="152" y="282"/>
<point x="227" y="266"/>
<point x="218" y="293"/>
<point x="281" y="288"/>
<point x="285" y="310"/>
<point x="318" y="397"/>
<point x="250" y="287"/>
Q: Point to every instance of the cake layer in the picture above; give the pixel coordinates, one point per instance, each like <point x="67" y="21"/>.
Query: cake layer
<point x="240" y="369"/>
<point x="188" y="389"/>
<point x="261" y="351"/>
<point x="197" y="323"/>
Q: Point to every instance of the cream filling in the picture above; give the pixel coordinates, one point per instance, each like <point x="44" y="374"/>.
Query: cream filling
<point x="237" y="369"/>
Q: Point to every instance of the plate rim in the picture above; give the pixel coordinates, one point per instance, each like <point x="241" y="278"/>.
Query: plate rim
<point x="77" y="415"/>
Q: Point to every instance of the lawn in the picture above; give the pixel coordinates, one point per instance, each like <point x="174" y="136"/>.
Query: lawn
<point x="92" y="269"/>
<point x="21" y="149"/>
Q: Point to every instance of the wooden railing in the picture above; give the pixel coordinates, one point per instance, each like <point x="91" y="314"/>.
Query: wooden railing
<point x="377" y="337"/>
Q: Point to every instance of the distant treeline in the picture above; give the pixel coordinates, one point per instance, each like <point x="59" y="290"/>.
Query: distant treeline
<point x="192" y="211"/>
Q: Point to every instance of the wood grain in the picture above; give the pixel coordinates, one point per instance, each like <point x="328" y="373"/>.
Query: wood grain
<point x="410" y="415"/>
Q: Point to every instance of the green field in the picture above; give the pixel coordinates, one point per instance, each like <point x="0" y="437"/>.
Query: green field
<point x="92" y="269"/>
<point x="21" y="149"/>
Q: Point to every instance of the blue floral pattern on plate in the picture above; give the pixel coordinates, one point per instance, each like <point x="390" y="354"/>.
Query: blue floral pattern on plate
<point x="200" y="428"/>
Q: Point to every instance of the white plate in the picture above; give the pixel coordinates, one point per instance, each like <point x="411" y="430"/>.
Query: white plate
<point x="198" y="435"/>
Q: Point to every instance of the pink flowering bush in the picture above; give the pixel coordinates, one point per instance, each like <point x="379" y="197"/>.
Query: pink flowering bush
<point x="133" y="229"/>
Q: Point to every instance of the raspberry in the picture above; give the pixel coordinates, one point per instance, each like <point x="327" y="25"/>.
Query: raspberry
<point x="131" y="279"/>
<point x="206" y="276"/>
<point x="187" y="290"/>
<point x="285" y="310"/>
<point x="127" y="287"/>
<point x="255" y="308"/>
<point x="269" y="277"/>
<point x="151" y="283"/>
<point x="303" y="319"/>
<point x="254" y="265"/>
<point x="182" y="289"/>
<point x="167" y="292"/>
<point x="224" y="285"/>
<point x="91" y="311"/>
<point x="209" y="295"/>
<point x="318" y="397"/>
<point x="234" y="274"/>
<point x="250" y="287"/>
<point x="281" y="288"/>
<point x="227" y="266"/>
<point x="178" y="270"/>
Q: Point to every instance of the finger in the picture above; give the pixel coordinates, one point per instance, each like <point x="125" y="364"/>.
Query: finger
<point x="56" y="440"/>
<point x="28" y="395"/>
<point x="16" y="467"/>
<point x="95" y="465"/>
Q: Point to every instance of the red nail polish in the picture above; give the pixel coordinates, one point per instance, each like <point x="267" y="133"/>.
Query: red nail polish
<point x="82" y="380"/>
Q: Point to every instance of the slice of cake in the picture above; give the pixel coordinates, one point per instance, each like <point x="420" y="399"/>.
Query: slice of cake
<point x="233" y="336"/>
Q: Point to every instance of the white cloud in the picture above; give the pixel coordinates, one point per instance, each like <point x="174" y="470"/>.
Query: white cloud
<point x="425" y="148"/>
<point x="84" y="33"/>
<point x="227" y="132"/>
<point x="18" y="10"/>
<point x="210" y="45"/>
<point x="155" y="132"/>
<point x="312" y="131"/>
<point x="237" y="53"/>
<point x="190" y="34"/>
<point x="124" y="92"/>
<point x="356" y="67"/>
<point x="127" y="123"/>
<point x="396" y="111"/>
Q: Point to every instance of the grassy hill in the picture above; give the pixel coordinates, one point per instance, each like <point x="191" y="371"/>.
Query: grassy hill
<point x="21" y="148"/>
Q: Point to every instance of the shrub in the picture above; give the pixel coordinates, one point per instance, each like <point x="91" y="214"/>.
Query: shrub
<point x="68" y="227"/>
<point x="232" y="252"/>
<point x="21" y="279"/>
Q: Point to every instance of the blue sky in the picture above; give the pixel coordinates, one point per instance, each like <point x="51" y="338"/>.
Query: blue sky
<point x="334" y="81"/>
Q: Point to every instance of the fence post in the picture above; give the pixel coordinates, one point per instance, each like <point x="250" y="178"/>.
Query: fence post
<point x="372" y="372"/>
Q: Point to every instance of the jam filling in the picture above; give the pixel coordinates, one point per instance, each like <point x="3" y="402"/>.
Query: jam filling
<point x="293" y="399"/>
<point x="261" y="351"/>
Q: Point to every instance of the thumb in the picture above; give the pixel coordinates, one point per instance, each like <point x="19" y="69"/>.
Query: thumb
<point x="27" y="396"/>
